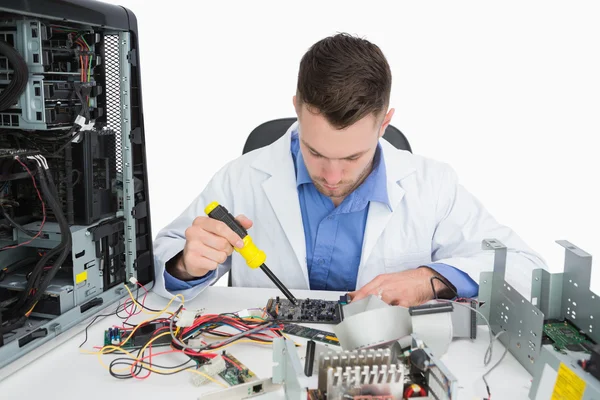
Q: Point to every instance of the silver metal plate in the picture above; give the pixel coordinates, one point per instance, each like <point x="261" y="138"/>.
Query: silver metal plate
<point x="508" y="310"/>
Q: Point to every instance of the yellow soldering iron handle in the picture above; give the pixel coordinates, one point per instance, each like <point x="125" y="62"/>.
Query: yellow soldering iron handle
<point x="253" y="255"/>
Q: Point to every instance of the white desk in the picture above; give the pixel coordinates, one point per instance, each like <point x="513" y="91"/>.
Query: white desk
<point x="66" y="373"/>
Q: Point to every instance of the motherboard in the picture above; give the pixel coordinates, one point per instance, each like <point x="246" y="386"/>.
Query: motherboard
<point x="565" y="336"/>
<point x="306" y="310"/>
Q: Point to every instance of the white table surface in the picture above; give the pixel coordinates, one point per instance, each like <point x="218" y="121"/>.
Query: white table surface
<point x="65" y="373"/>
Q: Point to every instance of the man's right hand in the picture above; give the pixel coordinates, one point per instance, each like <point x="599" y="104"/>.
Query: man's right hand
<point x="208" y="243"/>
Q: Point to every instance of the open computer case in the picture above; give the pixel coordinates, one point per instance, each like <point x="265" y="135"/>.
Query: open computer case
<point x="74" y="210"/>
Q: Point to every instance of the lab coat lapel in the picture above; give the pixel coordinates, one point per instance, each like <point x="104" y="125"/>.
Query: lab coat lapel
<point x="282" y="194"/>
<point x="398" y="166"/>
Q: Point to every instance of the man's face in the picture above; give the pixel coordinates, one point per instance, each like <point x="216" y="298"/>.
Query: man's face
<point x="338" y="160"/>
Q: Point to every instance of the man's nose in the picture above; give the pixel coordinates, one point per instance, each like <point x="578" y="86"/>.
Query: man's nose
<point x="332" y="175"/>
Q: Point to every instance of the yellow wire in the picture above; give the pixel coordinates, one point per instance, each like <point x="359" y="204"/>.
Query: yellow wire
<point x="110" y="348"/>
<point x="155" y="312"/>
<point x="164" y="310"/>
<point x="30" y="310"/>
<point x="146" y="364"/>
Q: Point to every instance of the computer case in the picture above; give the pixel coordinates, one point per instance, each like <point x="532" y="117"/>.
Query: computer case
<point x="74" y="206"/>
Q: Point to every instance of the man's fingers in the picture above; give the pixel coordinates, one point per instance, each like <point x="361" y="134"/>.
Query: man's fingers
<point x="357" y="295"/>
<point x="221" y="229"/>
<point x="195" y="263"/>
<point x="246" y="223"/>
<point x="371" y="287"/>
<point x="216" y="242"/>
<point x="213" y="254"/>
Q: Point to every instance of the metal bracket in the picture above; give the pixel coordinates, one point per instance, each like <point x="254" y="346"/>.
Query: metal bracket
<point x="243" y="391"/>
<point x="288" y="370"/>
<point x="579" y="304"/>
<point x="565" y="295"/>
<point x="56" y="328"/>
<point x="506" y="309"/>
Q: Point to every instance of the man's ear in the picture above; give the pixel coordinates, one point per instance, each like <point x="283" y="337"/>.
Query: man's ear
<point x="386" y="121"/>
<point x="295" y="101"/>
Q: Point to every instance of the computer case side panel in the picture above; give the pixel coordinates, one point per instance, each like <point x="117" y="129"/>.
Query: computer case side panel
<point x="78" y="11"/>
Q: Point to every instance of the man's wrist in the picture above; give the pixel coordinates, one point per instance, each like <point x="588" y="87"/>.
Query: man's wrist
<point x="443" y="289"/>
<point x="176" y="268"/>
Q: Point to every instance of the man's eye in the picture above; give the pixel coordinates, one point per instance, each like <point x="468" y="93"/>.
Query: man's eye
<point x="315" y="154"/>
<point x="352" y="158"/>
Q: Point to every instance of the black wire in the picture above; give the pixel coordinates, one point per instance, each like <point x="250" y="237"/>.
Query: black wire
<point x="18" y="83"/>
<point x="19" y="322"/>
<point x="58" y="138"/>
<point x="61" y="148"/>
<point x="435" y="295"/>
<point x="90" y="324"/>
<point x="139" y="367"/>
<point x="15" y="224"/>
<point x="64" y="247"/>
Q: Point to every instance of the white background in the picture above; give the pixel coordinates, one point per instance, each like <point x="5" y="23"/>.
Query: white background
<point x="508" y="93"/>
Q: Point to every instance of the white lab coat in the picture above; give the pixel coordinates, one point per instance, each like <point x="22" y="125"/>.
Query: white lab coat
<point x="433" y="218"/>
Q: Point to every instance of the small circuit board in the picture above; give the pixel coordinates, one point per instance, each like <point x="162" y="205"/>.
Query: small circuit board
<point x="306" y="310"/>
<point x="114" y="336"/>
<point x="310" y="333"/>
<point x="236" y="373"/>
<point x="565" y="336"/>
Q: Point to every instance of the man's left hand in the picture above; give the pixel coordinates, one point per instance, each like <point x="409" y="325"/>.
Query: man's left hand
<point x="406" y="288"/>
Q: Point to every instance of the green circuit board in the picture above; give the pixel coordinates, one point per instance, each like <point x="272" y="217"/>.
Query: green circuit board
<point x="140" y="337"/>
<point x="565" y="336"/>
<point x="236" y="373"/>
<point x="310" y="333"/>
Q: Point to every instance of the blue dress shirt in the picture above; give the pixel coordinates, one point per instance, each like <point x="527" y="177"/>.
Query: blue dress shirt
<point x="334" y="235"/>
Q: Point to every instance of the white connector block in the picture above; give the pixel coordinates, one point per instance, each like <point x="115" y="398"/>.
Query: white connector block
<point x="186" y="318"/>
<point x="216" y="366"/>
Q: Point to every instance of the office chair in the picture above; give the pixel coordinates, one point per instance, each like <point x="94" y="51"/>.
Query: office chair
<point x="268" y="132"/>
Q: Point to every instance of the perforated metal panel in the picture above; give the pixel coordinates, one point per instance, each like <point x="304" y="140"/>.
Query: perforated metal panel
<point x="113" y="93"/>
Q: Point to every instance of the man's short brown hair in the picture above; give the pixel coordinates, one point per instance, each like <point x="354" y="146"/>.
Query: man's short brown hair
<point x="344" y="78"/>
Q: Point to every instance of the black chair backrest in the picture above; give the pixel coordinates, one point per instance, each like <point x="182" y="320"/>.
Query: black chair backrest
<point x="270" y="131"/>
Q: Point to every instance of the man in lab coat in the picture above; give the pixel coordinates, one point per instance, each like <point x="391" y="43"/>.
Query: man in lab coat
<point x="334" y="207"/>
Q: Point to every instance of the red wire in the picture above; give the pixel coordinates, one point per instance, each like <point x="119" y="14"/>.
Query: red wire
<point x="43" y="210"/>
<point x="149" y="363"/>
<point x="231" y="362"/>
<point x="130" y="313"/>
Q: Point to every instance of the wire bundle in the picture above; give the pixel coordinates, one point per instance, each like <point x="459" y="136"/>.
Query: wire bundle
<point x="15" y="88"/>
<point x="230" y="326"/>
<point x="42" y="274"/>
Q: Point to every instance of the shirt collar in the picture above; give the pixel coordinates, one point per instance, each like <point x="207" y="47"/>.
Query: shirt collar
<point x="373" y="188"/>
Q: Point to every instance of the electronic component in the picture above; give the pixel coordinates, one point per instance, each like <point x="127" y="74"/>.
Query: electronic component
<point x="211" y="369"/>
<point x="236" y="373"/>
<point x="382" y="374"/>
<point x="309" y="359"/>
<point x="464" y="319"/>
<point x="565" y="336"/>
<point x="344" y="299"/>
<point x="311" y="333"/>
<point x="431" y="308"/>
<point x="306" y="310"/>
<point x="141" y="337"/>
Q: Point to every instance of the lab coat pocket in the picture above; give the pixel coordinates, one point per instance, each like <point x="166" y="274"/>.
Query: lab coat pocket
<point x="404" y="261"/>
